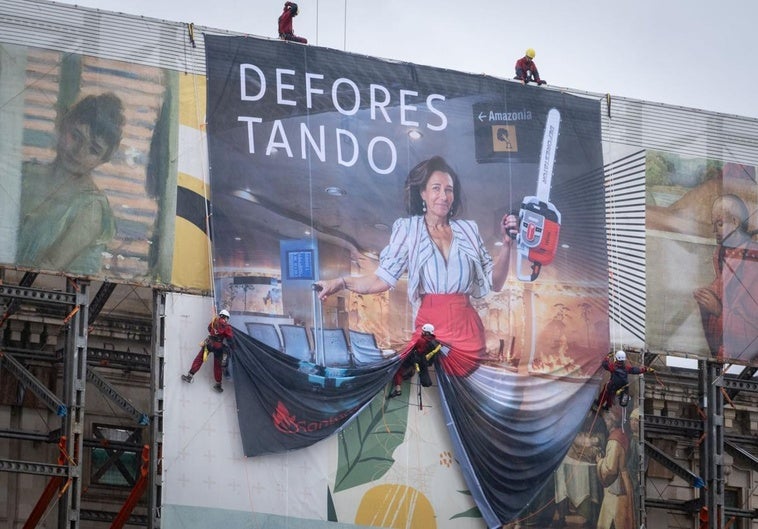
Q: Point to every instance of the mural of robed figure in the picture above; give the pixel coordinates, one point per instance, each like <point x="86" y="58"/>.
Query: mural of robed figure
<point x="729" y="304"/>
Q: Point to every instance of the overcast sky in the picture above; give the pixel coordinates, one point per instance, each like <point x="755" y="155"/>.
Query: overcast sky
<point x="692" y="53"/>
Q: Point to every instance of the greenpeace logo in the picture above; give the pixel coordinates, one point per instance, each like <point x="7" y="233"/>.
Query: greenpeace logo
<point x="287" y="423"/>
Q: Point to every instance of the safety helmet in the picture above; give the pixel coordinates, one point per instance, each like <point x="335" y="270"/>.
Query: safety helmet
<point x="620" y="356"/>
<point x="224" y="314"/>
<point x="530" y="53"/>
<point x="427" y="328"/>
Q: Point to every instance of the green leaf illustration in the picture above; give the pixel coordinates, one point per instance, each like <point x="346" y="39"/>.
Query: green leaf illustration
<point x="367" y="444"/>
<point x="473" y="512"/>
<point x="331" y="512"/>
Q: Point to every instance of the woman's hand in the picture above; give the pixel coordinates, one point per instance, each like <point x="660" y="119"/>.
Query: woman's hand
<point x="327" y="287"/>
<point x="509" y="227"/>
<point x="369" y="284"/>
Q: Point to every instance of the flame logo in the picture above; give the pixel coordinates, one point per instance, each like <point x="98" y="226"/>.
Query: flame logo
<point x="287" y="423"/>
<point x="284" y="421"/>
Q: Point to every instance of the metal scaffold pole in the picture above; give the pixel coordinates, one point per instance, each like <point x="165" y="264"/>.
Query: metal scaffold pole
<point x="74" y="384"/>
<point x="156" y="410"/>
<point x="712" y="448"/>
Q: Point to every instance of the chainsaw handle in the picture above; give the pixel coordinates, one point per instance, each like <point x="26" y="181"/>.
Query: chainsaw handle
<point x="534" y="269"/>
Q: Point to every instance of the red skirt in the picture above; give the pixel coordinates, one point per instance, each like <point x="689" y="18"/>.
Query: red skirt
<point x="457" y="325"/>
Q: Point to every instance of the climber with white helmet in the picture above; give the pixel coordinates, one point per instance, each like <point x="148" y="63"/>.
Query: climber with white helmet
<point x="218" y="343"/>
<point x="417" y="360"/>
<point x="618" y="383"/>
<point x="526" y="69"/>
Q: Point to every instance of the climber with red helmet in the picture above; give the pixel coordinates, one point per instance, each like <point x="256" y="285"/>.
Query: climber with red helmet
<point x="526" y="69"/>
<point x="285" y="23"/>
<point x="218" y="343"/>
<point x="618" y="383"/>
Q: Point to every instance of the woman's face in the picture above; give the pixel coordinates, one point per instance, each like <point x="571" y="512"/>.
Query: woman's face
<point x="79" y="151"/>
<point x="438" y="194"/>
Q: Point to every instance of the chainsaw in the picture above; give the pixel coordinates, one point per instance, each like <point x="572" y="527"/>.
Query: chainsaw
<point x="539" y="220"/>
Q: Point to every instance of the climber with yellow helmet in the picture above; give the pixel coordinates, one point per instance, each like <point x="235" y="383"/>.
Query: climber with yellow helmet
<point x="526" y="69"/>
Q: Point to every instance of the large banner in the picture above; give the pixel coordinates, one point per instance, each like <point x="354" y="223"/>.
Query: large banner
<point x="354" y="201"/>
<point x="701" y="257"/>
<point x="88" y="186"/>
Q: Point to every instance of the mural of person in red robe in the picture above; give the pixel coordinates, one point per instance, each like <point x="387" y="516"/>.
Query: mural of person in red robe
<point x="617" y="508"/>
<point x="446" y="261"/>
<point x="729" y="304"/>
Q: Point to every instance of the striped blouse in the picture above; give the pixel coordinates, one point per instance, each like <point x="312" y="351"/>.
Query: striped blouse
<point x="467" y="271"/>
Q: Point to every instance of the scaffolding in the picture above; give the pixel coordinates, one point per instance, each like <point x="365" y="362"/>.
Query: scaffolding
<point x="79" y="366"/>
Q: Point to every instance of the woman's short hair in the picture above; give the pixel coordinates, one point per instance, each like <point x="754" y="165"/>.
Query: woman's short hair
<point x="419" y="176"/>
<point x="104" y="113"/>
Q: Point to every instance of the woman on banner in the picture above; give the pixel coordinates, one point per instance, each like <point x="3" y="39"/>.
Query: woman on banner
<point x="446" y="261"/>
<point x="66" y="220"/>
